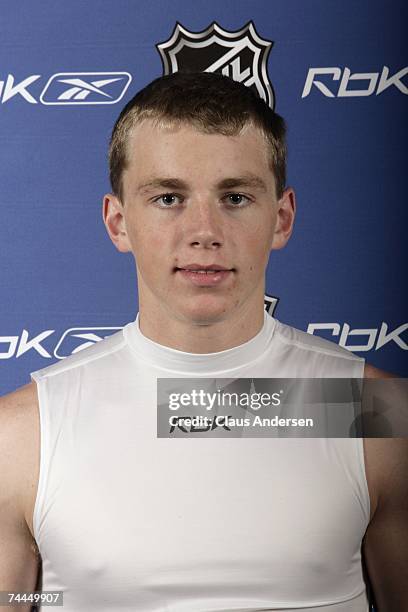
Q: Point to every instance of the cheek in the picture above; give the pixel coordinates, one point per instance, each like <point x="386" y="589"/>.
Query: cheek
<point x="260" y="230"/>
<point x="257" y="247"/>
<point x="147" y="240"/>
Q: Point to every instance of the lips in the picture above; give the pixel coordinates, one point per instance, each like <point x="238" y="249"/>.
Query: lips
<point x="204" y="268"/>
<point x="202" y="275"/>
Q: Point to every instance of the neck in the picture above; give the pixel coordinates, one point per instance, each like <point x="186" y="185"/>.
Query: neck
<point x="195" y="337"/>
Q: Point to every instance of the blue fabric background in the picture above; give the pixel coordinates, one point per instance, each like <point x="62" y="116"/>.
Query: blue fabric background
<point x="345" y="261"/>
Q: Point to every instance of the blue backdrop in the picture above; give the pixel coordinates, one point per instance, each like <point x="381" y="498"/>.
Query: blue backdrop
<point x="339" y="77"/>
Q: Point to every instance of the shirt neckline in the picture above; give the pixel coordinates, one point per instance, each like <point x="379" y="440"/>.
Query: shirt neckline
<point x="163" y="357"/>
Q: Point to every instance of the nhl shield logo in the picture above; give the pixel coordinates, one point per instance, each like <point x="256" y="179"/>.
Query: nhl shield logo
<point x="240" y="55"/>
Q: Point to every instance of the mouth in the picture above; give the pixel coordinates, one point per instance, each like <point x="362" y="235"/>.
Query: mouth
<point x="204" y="269"/>
<point x="205" y="276"/>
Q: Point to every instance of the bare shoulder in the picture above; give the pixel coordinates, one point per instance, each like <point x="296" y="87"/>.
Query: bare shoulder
<point x="387" y="459"/>
<point x="19" y="413"/>
<point x="386" y="463"/>
<point x="20" y="448"/>
<point x="371" y="371"/>
<point x="22" y="399"/>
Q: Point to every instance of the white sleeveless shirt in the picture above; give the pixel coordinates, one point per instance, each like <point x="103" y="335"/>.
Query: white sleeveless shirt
<point x="128" y="521"/>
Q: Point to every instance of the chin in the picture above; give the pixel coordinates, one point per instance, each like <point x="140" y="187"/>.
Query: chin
<point x="205" y="314"/>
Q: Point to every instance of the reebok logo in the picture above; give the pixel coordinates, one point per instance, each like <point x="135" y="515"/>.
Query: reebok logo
<point x="68" y="88"/>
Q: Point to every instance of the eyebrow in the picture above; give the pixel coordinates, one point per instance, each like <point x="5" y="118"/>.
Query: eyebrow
<point x="247" y="180"/>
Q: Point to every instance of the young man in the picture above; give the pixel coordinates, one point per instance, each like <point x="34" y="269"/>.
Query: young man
<point x="126" y="520"/>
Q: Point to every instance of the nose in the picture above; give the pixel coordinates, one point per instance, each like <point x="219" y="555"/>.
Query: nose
<point x="204" y="225"/>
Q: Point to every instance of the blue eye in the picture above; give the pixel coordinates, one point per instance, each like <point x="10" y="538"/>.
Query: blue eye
<point x="169" y="200"/>
<point x="166" y="200"/>
<point x="237" y="199"/>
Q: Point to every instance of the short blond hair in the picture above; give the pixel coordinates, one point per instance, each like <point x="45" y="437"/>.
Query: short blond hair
<point x="210" y="102"/>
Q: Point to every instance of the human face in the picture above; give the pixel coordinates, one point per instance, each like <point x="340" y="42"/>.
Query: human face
<point x="196" y="200"/>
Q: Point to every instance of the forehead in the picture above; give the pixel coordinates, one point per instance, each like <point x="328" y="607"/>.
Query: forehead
<point x="184" y="149"/>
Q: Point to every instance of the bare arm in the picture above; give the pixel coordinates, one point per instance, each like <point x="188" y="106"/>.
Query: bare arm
<point x="385" y="543"/>
<point x="19" y="459"/>
<point x="386" y="540"/>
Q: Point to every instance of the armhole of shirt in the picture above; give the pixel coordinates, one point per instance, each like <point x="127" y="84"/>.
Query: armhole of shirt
<point x="44" y="458"/>
<point x="365" y="491"/>
<point x="361" y="458"/>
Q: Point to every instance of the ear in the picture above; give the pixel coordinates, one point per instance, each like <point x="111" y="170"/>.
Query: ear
<point x="286" y="210"/>
<point x="114" y="220"/>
